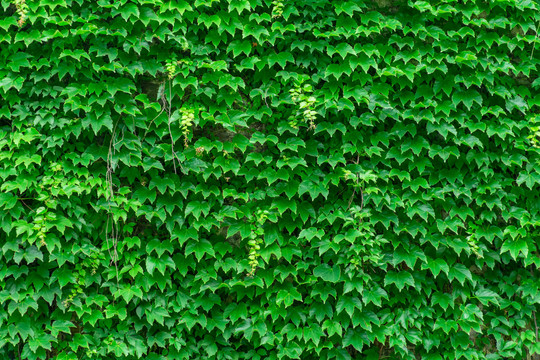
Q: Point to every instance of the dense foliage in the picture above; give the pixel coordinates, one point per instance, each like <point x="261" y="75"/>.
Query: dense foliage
<point x="256" y="179"/>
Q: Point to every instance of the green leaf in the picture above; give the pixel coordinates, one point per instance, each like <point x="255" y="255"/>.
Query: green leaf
<point x="343" y="49"/>
<point x="24" y="329"/>
<point x="530" y="178"/>
<point x="332" y="327"/>
<point x="442" y="299"/>
<point x="436" y="266"/>
<point x="349" y="304"/>
<point x="281" y="58"/>
<point x="238" y="47"/>
<point x="179" y="6"/>
<point x="7" y="201"/>
<point x="337" y="70"/>
<point x="287" y="297"/>
<point x="231" y="81"/>
<point x="416" y="145"/>
<point x="196" y="208"/>
<point x="515" y="246"/>
<point x="157" y="314"/>
<point x="138" y="344"/>
<point x="517" y="102"/>
<point x="129" y="292"/>
<point x="467" y="97"/>
<point x="328" y="273"/>
<point x="460" y="272"/>
<point x="283" y="204"/>
<point x="400" y="279"/>
<point x="59" y="326"/>
<point x="200" y="248"/>
<point x="7" y="83"/>
<point x="41" y="341"/>
<point x="353" y="338"/>
<point x="487" y="296"/>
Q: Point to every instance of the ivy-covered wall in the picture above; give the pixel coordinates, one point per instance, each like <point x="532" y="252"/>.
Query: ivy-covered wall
<point x="255" y="179"/>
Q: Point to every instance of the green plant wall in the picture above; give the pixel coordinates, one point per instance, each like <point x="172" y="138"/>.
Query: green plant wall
<point x="254" y="179"/>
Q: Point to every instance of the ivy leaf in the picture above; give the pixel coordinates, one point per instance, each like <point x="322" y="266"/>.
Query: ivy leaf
<point x="343" y="49"/>
<point x="25" y="330"/>
<point x="332" y="327"/>
<point x="328" y="273"/>
<point x="238" y="47"/>
<point x="530" y="178"/>
<point x="7" y="201"/>
<point x="41" y="341"/>
<point x="400" y="279"/>
<point x="487" y="296"/>
<point x="282" y="204"/>
<point x="337" y="70"/>
<point x="416" y="145"/>
<point x="442" y="299"/>
<point x="517" y="102"/>
<point x="138" y="344"/>
<point x="515" y="247"/>
<point x="287" y="297"/>
<point x="129" y="292"/>
<point x="180" y="6"/>
<point x="436" y="266"/>
<point x="467" y="97"/>
<point x="200" y="248"/>
<point x="7" y="83"/>
<point x="281" y="58"/>
<point x="231" y="81"/>
<point x="460" y="272"/>
<point x="59" y="326"/>
<point x="354" y="339"/>
<point x="157" y="314"/>
<point x="349" y="304"/>
<point x="96" y="122"/>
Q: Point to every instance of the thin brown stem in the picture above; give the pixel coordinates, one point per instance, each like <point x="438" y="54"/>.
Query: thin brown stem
<point x="534" y="317"/>
<point x="110" y="195"/>
<point x="535" y="326"/>
<point x="25" y="204"/>
<point x="354" y="190"/>
<point x="152" y="121"/>
<point x="169" y="124"/>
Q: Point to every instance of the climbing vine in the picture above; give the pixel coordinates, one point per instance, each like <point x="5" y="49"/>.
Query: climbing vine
<point x="22" y="10"/>
<point x="269" y="179"/>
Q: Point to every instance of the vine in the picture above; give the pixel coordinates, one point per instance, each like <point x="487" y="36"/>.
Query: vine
<point x="133" y="164"/>
<point x="170" y="66"/>
<point x="534" y="137"/>
<point x="277" y="8"/>
<point x="256" y="238"/>
<point x="88" y="266"/>
<point x="302" y="96"/>
<point x="44" y="216"/>
<point x="188" y="116"/>
<point x="369" y="250"/>
<point x="473" y="241"/>
<point x="22" y="10"/>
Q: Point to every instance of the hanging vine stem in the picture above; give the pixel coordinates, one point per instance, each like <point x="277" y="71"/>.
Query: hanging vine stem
<point x="109" y="197"/>
<point x="354" y="190"/>
<point x="532" y="53"/>
<point x="169" y="125"/>
<point x="166" y="106"/>
<point x="534" y="317"/>
<point x="22" y="10"/>
<point x="256" y="239"/>
<point x="151" y="122"/>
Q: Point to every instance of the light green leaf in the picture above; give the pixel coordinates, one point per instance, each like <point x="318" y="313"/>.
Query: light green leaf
<point x="400" y="279"/>
<point x="328" y="273"/>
